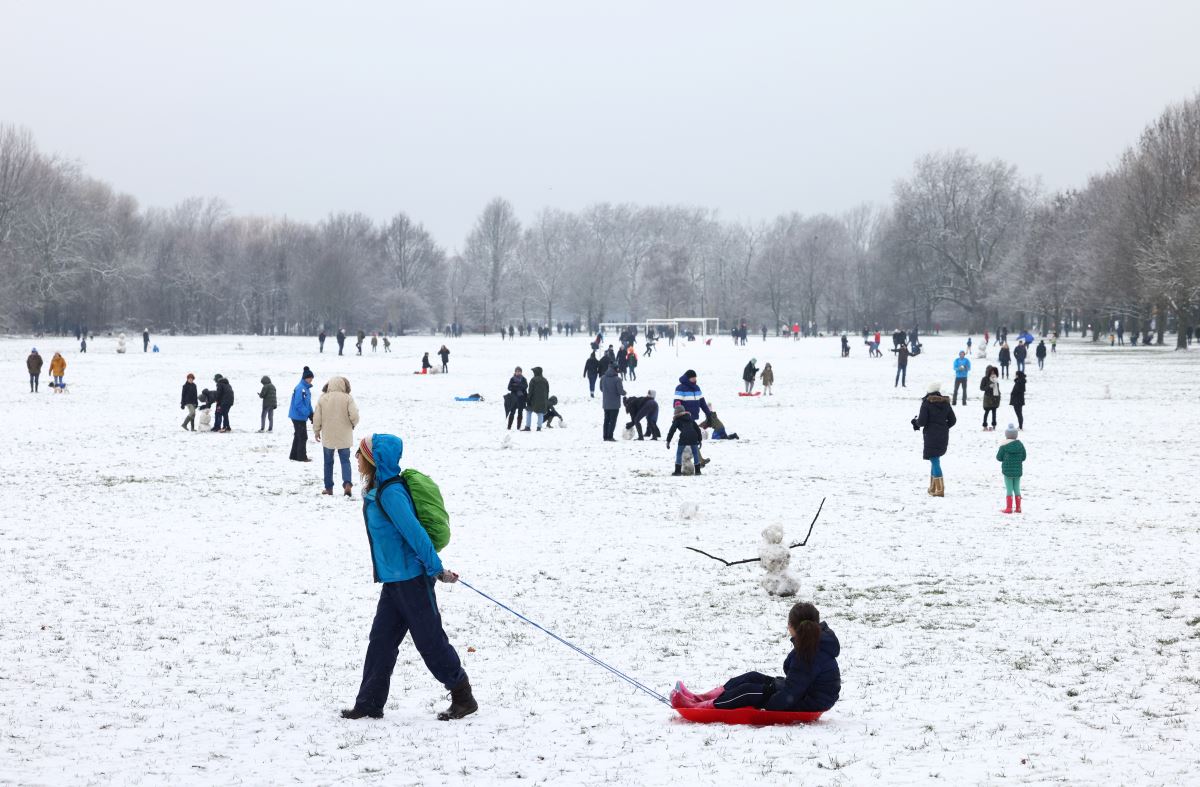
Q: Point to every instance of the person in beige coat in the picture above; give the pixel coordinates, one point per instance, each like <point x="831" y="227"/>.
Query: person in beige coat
<point x="334" y="419"/>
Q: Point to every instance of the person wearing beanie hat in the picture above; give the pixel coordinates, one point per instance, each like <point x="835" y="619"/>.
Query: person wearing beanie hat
<point x="1011" y="457"/>
<point x="405" y="560"/>
<point x="748" y="375"/>
<point x="690" y="395"/>
<point x="935" y="418"/>
<point x="224" y="404"/>
<point x="689" y="435"/>
<point x="301" y="412"/>
<point x="34" y="364"/>
<point x="190" y="400"/>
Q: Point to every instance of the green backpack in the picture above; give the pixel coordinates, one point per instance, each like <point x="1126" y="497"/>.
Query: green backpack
<point x="427" y="503"/>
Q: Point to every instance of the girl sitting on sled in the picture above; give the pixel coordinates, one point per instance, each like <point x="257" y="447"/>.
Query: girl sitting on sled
<point x="811" y="679"/>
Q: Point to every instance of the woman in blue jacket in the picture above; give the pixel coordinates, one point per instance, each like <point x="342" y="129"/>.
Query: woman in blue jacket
<point x="300" y="412"/>
<point x="404" y="560"/>
<point x="811" y="681"/>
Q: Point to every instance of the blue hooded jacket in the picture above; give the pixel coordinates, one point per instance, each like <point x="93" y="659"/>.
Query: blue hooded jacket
<point x="688" y="394"/>
<point x="961" y="367"/>
<point x="301" y="408"/>
<point x="810" y="687"/>
<point x="400" y="547"/>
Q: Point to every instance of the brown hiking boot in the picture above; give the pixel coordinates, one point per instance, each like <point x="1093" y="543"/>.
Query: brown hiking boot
<point x="346" y="487"/>
<point x="462" y="702"/>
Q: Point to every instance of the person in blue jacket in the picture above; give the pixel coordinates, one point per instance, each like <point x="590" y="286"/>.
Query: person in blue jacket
<point x="689" y="395"/>
<point x="404" y="560"/>
<point x="300" y="412"/>
<point x="811" y="681"/>
<point x="962" y="367"/>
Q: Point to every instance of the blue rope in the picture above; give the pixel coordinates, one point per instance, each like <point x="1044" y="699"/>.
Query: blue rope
<point x="573" y="647"/>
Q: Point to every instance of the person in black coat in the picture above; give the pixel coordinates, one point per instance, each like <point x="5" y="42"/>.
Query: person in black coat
<point x="1005" y="359"/>
<point x="591" y="370"/>
<point x="341" y="339"/>
<point x="190" y="400"/>
<point x="518" y="386"/>
<point x="936" y="418"/>
<point x="640" y="407"/>
<point x="1040" y="352"/>
<point x="689" y="435"/>
<point x="321" y="341"/>
<point x="224" y="404"/>
<point x="1016" y="398"/>
<point x="812" y="680"/>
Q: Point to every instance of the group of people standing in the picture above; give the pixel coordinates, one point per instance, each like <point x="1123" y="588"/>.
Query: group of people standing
<point x="530" y="397"/>
<point x="333" y="418"/>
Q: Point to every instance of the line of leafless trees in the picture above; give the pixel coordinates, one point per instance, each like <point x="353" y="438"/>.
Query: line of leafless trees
<point x="964" y="242"/>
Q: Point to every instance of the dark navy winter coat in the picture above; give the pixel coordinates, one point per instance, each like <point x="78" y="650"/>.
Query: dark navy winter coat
<point x="810" y="686"/>
<point x="519" y="387"/>
<point x="689" y="431"/>
<point x="689" y="395"/>
<point x="936" y="417"/>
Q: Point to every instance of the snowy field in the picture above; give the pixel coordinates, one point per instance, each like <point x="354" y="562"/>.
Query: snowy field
<point x="186" y="608"/>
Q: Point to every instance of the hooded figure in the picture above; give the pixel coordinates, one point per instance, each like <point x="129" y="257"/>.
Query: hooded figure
<point x="300" y="411"/>
<point x="270" y="401"/>
<point x="58" y="368"/>
<point x="936" y="418"/>
<point x="748" y="375"/>
<point x="404" y="560"/>
<point x="334" y="419"/>
<point x="611" y="390"/>
<point x="591" y="370"/>
<point x="224" y="404"/>
<point x="689" y="395"/>
<point x="539" y="399"/>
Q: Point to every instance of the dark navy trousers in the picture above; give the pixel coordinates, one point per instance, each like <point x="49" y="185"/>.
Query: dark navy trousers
<point x="751" y="690"/>
<point x="407" y="607"/>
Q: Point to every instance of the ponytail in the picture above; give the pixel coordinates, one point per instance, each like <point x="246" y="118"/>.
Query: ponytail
<point x="805" y="621"/>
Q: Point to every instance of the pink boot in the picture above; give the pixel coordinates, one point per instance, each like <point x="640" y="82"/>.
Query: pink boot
<point x="711" y="694"/>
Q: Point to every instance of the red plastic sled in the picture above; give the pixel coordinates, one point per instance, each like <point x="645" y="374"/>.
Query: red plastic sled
<point x="748" y="716"/>
<point x="756" y="393"/>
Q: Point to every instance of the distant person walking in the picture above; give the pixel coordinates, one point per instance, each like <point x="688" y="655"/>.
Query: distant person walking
<point x="1040" y="353"/>
<point x="444" y="354"/>
<point x="321" y="341"/>
<point x="1019" y="355"/>
<point x="34" y="366"/>
<point x="591" y="370"/>
<point x="341" y="339"/>
<point x="936" y="419"/>
<point x="146" y="340"/>
<point x="300" y="411"/>
<point x="334" y="419"/>
<point x="1016" y="398"/>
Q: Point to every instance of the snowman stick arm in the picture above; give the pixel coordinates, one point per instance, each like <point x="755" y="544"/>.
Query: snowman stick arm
<point x="723" y="560"/>
<point x="810" y="526"/>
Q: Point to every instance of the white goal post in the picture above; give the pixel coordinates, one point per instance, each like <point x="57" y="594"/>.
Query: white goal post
<point x="701" y="326"/>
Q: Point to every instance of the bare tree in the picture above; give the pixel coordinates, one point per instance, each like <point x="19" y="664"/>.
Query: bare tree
<point x="491" y="248"/>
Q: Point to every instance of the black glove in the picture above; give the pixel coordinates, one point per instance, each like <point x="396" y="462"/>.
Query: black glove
<point x="914" y="424"/>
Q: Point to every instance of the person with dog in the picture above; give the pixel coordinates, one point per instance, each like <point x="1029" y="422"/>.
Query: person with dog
<point x="404" y="560"/>
<point x="936" y="419"/>
<point x="333" y="420"/>
<point x="189" y="400"/>
<point x="58" y="368"/>
<point x="33" y="364"/>
<point x="300" y="412"/>
<point x="689" y="436"/>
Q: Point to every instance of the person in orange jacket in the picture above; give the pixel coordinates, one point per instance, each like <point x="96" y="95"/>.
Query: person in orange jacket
<point x="58" y="367"/>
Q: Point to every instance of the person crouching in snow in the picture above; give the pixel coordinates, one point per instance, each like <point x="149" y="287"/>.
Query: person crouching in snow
<point x="1011" y="457"/>
<point x="404" y="560"/>
<point x="715" y="424"/>
<point x="811" y="681"/>
<point x="552" y="413"/>
<point x="689" y="435"/>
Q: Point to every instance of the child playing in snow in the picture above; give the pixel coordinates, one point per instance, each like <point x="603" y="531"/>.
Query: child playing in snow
<point x="717" y="426"/>
<point x="811" y="682"/>
<point x="552" y="413"/>
<point x="1011" y="457"/>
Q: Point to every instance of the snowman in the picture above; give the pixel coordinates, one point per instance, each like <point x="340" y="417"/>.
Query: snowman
<point x="775" y="557"/>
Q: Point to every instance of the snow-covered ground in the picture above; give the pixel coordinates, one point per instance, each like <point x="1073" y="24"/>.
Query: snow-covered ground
<point x="186" y="608"/>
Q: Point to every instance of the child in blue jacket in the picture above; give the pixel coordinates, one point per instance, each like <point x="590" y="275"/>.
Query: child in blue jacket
<point x="811" y="682"/>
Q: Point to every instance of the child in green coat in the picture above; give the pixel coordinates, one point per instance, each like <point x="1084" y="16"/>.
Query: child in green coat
<point x="1011" y="457"/>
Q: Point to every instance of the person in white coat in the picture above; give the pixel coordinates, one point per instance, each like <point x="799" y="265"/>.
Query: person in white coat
<point x="334" y="419"/>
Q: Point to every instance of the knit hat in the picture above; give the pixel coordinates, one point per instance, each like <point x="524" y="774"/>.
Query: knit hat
<point x="216" y="378"/>
<point x="364" y="448"/>
<point x="308" y="374"/>
<point x="650" y="393"/>
<point x="679" y="410"/>
<point x="689" y="374"/>
<point x="34" y="351"/>
<point x="934" y="388"/>
<point x="1011" y="432"/>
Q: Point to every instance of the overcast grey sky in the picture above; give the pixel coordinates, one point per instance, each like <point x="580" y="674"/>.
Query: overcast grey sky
<point x="299" y="109"/>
